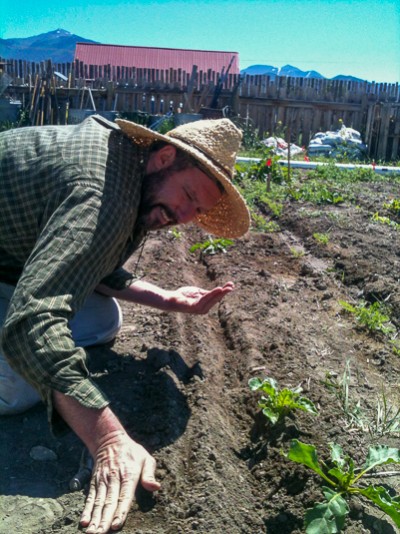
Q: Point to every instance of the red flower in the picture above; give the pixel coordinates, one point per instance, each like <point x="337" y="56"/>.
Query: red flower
<point x="268" y="163"/>
<point x="306" y="158"/>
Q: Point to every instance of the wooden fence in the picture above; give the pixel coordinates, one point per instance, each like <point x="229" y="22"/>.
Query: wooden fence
<point x="301" y="106"/>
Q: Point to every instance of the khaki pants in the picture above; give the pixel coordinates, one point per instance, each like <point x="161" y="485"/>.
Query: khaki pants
<point x="97" y="322"/>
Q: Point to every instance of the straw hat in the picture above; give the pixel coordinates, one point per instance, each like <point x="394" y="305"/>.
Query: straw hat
<point x="214" y="144"/>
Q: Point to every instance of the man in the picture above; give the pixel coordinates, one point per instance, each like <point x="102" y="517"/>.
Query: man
<point x="75" y="202"/>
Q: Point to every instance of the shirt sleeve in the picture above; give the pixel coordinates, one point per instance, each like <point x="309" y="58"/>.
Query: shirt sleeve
<point x="119" y="279"/>
<point x="80" y="243"/>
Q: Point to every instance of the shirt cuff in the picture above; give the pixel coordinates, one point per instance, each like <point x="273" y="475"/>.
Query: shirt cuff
<point x="118" y="280"/>
<point x="86" y="393"/>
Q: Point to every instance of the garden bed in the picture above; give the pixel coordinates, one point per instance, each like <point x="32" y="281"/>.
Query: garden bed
<point x="180" y="383"/>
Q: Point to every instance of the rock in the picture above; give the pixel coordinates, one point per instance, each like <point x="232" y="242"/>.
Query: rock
<point x="42" y="454"/>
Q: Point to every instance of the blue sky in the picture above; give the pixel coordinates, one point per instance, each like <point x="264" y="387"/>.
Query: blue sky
<point x="360" y="38"/>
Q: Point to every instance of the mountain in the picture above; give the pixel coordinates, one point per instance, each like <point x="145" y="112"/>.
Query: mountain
<point x="289" y="70"/>
<point x="57" y="45"/>
<point x="255" y="70"/>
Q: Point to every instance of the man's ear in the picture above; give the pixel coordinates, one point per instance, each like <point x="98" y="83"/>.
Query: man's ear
<point x="164" y="157"/>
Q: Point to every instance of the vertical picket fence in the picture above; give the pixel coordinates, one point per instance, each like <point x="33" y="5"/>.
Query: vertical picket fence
<point x="301" y="106"/>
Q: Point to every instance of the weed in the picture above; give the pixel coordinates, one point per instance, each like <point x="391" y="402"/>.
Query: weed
<point x="322" y="239"/>
<point x="393" y="206"/>
<point x="384" y="419"/>
<point x="373" y="316"/>
<point x="385" y="220"/>
<point x="277" y="403"/>
<point x="355" y="417"/>
<point x="312" y="191"/>
<point x="297" y="253"/>
<point x="342" y="476"/>
<point x="262" y="225"/>
<point x="176" y="234"/>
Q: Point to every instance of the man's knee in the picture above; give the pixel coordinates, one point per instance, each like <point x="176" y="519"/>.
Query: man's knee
<point x="16" y="395"/>
<point x="98" y="322"/>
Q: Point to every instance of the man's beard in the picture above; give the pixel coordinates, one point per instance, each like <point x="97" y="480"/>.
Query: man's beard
<point x="149" y="201"/>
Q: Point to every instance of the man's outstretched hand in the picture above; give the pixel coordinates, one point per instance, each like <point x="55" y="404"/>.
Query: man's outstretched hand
<point x="120" y="464"/>
<point x="196" y="300"/>
<point x="185" y="299"/>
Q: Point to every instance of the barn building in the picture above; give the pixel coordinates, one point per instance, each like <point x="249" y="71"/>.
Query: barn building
<point x="146" y="57"/>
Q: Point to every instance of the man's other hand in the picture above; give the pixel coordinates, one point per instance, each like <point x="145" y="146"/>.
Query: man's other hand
<point x="120" y="464"/>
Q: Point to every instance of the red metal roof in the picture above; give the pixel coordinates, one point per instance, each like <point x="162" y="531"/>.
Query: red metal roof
<point x="156" y="58"/>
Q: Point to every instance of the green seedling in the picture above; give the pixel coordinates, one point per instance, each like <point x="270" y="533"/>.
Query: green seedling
<point x="373" y="316"/>
<point x="322" y="239"/>
<point x="343" y="477"/>
<point x="277" y="403"/>
<point x="393" y="206"/>
<point x="262" y="225"/>
<point x="297" y="253"/>
<point x="385" y="220"/>
<point x="212" y="246"/>
<point x="176" y="234"/>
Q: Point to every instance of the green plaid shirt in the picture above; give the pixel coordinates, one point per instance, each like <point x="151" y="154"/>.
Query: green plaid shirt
<point x="69" y="198"/>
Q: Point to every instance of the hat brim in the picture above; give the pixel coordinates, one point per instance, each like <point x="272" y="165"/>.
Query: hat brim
<point x="230" y="216"/>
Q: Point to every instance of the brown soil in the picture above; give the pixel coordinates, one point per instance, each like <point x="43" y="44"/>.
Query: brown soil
<point x="180" y="383"/>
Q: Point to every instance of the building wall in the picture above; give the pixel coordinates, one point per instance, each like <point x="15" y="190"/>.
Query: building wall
<point x="156" y="58"/>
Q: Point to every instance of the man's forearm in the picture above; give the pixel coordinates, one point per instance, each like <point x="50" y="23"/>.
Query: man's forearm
<point x="91" y="425"/>
<point x="140" y="292"/>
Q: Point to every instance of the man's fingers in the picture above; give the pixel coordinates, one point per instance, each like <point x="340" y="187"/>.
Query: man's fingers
<point x="110" y="504"/>
<point x="87" y="511"/>
<point x="212" y="298"/>
<point x="148" y="478"/>
<point x="97" y="511"/>
<point x="125" y="500"/>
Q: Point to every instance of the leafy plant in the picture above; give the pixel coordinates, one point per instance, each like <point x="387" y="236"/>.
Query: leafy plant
<point x="212" y="246"/>
<point x="277" y="403"/>
<point x="297" y="253"/>
<point x="316" y="193"/>
<point x="385" y="220"/>
<point x="262" y="225"/>
<point x="322" y="239"/>
<point x="373" y="316"/>
<point x="176" y="234"/>
<point x="393" y="206"/>
<point x="342" y="476"/>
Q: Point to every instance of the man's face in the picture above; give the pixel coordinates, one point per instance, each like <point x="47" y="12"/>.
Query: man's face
<point x="171" y="197"/>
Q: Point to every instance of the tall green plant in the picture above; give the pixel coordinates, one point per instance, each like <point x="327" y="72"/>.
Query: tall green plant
<point x="342" y="477"/>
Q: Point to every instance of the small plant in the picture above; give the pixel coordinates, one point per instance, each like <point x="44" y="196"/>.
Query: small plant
<point x="387" y="418"/>
<point x="176" y="234"/>
<point x="385" y="220"/>
<point x="212" y="246"/>
<point x="354" y="416"/>
<point x="277" y="403"/>
<point x="312" y="191"/>
<point x="383" y="419"/>
<point x="373" y="316"/>
<point x="342" y="476"/>
<point x="297" y="253"/>
<point x="393" y="206"/>
<point x="262" y="225"/>
<point x="322" y="239"/>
